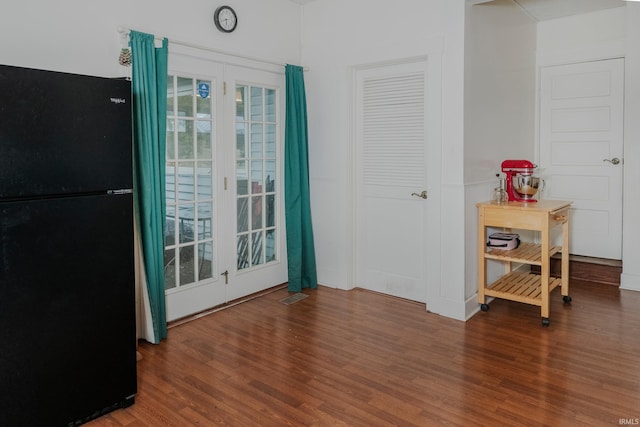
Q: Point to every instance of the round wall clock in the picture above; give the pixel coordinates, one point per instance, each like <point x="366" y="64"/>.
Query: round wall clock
<point x="225" y="19"/>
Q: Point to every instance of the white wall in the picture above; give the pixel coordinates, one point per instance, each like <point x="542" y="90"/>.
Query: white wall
<point x="81" y="36"/>
<point x="337" y="36"/>
<point x="631" y="210"/>
<point x="574" y="39"/>
<point x="500" y="84"/>
<point x="499" y="111"/>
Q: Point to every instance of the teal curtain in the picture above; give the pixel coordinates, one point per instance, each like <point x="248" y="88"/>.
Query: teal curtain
<point x="149" y="82"/>
<point x="300" y="247"/>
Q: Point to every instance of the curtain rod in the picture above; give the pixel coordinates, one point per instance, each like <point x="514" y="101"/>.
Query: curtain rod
<point x="126" y="31"/>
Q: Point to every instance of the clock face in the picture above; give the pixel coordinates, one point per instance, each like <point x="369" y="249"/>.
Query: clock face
<point x="225" y="19"/>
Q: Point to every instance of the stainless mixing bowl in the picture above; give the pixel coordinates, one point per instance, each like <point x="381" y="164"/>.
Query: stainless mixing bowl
<point x="526" y="185"/>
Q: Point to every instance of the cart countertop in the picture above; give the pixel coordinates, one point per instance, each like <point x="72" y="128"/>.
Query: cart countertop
<point x="541" y="205"/>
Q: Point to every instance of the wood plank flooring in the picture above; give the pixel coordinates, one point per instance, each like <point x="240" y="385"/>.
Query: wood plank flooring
<point x="358" y="358"/>
<point x="590" y="269"/>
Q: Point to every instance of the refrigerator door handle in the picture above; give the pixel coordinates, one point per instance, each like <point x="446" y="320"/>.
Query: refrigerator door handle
<point x="121" y="191"/>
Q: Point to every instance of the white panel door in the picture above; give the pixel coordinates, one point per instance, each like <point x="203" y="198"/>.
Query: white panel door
<point x="391" y="165"/>
<point x="581" y="141"/>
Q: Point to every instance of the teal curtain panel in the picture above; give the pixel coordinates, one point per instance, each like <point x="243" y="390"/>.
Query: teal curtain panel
<point x="300" y="246"/>
<point x="149" y="82"/>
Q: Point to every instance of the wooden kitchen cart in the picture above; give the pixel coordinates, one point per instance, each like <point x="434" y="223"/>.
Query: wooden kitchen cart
<point x="524" y="286"/>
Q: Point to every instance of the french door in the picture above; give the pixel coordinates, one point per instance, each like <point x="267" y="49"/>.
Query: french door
<point x="224" y="234"/>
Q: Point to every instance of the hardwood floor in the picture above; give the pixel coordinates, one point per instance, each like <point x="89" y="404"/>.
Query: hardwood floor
<point x="359" y="358"/>
<point x="606" y="271"/>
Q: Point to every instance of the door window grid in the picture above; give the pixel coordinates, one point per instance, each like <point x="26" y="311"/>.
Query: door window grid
<point x="189" y="238"/>
<point x="256" y="148"/>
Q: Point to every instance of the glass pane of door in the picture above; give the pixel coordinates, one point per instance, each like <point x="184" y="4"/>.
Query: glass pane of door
<point x="256" y="179"/>
<point x="189" y="237"/>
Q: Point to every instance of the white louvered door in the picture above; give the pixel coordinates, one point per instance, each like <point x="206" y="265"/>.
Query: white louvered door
<point x="391" y="174"/>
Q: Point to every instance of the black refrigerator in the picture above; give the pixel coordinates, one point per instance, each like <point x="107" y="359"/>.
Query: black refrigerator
<point x="67" y="298"/>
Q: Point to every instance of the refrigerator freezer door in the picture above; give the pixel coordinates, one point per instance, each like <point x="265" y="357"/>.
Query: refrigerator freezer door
<point x="63" y="133"/>
<point x="67" y="341"/>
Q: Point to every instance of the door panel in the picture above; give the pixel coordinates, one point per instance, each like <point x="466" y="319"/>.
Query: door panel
<point x="83" y="143"/>
<point x="387" y="269"/>
<point x="68" y="302"/>
<point x="581" y="125"/>
<point x="255" y="186"/>
<point x="194" y="177"/>
<point x="391" y="165"/>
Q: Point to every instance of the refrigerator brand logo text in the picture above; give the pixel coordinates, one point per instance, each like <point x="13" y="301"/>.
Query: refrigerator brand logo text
<point x="118" y="100"/>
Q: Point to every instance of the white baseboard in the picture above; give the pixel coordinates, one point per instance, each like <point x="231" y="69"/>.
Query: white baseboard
<point x="630" y="282"/>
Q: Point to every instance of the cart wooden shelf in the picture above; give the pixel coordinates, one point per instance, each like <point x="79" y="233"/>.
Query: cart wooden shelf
<point x="524" y="287"/>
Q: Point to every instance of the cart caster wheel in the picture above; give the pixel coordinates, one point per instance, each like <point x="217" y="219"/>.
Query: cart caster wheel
<point x="566" y="299"/>
<point x="545" y="321"/>
<point x="484" y="307"/>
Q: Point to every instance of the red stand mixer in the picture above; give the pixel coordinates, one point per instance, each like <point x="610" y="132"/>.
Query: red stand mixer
<point x="521" y="184"/>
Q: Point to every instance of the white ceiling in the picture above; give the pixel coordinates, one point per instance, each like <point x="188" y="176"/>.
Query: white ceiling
<point x="542" y="10"/>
